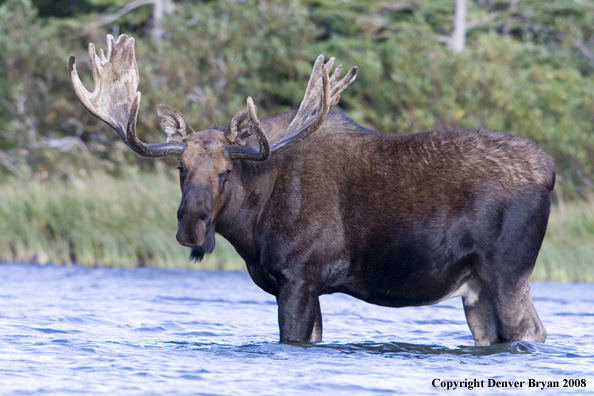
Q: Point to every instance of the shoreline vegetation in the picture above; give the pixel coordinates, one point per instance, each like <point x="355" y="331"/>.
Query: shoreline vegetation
<point x="527" y="69"/>
<point x="130" y="221"/>
<point x="100" y="221"/>
<point x="72" y="191"/>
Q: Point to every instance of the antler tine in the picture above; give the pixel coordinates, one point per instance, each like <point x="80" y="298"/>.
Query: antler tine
<point x="338" y="87"/>
<point x="115" y="99"/>
<point x="264" y="144"/>
<point x="321" y="93"/>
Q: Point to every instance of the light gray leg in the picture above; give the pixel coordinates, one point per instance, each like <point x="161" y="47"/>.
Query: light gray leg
<point x="316" y="333"/>
<point x="481" y="315"/>
<point x="518" y="315"/>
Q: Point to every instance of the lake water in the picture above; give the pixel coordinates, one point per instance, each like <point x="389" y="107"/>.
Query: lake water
<point x="75" y="330"/>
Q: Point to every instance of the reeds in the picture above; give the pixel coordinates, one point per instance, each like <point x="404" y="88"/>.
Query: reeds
<point x="131" y="221"/>
<point x="101" y="221"/>
<point x="567" y="253"/>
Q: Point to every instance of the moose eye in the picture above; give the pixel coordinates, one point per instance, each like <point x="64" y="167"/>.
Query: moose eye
<point x="182" y="176"/>
<point x="223" y="177"/>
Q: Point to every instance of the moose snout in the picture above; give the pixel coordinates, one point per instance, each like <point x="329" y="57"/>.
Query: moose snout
<point x="192" y="218"/>
<point x="191" y="236"/>
<point x="195" y="212"/>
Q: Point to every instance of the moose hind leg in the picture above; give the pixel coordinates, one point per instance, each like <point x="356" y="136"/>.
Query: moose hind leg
<point x="518" y="315"/>
<point x="511" y="299"/>
<point x="506" y="267"/>
<point x="481" y="315"/>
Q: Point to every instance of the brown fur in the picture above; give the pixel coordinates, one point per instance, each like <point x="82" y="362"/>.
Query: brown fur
<point x="329" y="206"/>
<point x="330" y="212"/>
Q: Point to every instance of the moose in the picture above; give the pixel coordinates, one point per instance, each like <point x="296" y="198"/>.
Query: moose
<point x="316" y="204"/>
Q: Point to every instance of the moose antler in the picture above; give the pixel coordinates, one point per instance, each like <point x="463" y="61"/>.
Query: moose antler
<point x="115" y="99"/>
<point x="321" y="93"/>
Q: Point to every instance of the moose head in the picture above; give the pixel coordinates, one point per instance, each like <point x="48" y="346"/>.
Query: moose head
<point x="208" y="160"/>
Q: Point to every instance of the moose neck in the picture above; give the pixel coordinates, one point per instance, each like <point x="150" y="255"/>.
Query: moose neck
<point x="253" y="184"/>
<point x="238" y="219"/>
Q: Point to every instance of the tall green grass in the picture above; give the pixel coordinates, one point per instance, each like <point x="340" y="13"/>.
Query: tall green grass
<point x="101" y="221"/>
<point x="131" y="221"/>
<point x="567" y="253"/>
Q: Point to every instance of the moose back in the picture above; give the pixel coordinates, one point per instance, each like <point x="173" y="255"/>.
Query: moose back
<point x="329" y="206"/>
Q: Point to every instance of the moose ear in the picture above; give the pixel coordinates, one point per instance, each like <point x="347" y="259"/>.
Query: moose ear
<point x="173" y="123"/>
<point x="240" y="128"/>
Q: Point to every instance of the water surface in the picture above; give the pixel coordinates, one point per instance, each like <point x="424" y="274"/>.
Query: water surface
<point x="75" y="330"/>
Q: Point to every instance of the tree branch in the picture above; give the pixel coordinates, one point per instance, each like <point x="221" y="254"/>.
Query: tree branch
<point x="458" y="39"/>
<point x="160" y="7"/>
<point x="584" y="50"/>
<point x="121" y="12"/>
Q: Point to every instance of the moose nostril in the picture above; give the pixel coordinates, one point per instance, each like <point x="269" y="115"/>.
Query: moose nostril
<point x="197" y="212"/>
<point x="195" y="205"/>
<point x="202" y="215"/>
<point x="191" y="234"/>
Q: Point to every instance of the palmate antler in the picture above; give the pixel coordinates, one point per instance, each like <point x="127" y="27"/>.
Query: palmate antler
<point x="321" y="93"/>
<point x="115" y="99"/>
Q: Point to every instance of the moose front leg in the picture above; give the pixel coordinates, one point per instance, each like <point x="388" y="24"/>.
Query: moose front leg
<point x="299" y="314"/>
<point x="316" y="333"/>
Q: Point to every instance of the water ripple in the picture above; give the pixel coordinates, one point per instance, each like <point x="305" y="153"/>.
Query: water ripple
<point x="75" y="330"/>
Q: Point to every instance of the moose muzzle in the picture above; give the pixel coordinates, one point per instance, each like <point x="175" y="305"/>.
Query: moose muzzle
<point x="193" y="216"/>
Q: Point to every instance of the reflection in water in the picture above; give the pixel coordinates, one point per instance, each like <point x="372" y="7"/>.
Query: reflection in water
<point x="153" y="331"/>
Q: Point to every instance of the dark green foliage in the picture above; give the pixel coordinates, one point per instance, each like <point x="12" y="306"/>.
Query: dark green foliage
<point x="527" y="71"/>
<point x="62" y="8"/>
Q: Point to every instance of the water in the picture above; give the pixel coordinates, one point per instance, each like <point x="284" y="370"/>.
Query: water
<point x="75" y="330"/>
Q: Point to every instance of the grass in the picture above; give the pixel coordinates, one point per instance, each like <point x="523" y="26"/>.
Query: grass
<point x="567" y="253"/>
<point x="103" y="221"/>
<point x="131" y="221"/>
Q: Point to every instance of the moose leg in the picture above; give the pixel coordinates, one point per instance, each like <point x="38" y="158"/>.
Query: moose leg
<point x="518" y="315"/>
<point x="506" y="267"/>
<point x="299" y="315"/>
<point x="316" y="333"/>
<point x="512" y="302"/>
<point x="481" y="315"/>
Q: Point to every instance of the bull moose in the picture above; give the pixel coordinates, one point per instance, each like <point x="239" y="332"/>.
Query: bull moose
<point x="330" y="206"/>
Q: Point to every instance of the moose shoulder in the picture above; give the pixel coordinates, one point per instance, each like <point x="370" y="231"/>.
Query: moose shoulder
<point x="395" y="220"/>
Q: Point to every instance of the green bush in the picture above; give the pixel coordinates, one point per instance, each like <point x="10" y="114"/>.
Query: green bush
<point x="528" y="71"/>
<point x="521" y="73"/>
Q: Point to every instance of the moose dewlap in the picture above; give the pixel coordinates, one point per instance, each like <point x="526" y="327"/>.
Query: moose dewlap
<point x="316" y="204"/>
